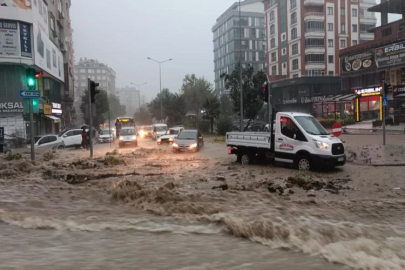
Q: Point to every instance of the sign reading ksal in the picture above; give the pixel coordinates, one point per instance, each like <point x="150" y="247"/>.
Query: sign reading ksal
<point x="11" y="107"/>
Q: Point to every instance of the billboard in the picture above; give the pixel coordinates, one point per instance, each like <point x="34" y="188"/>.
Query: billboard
<point x="390" y="55"/>
<point x="358" y="61"/>
<point x="47" y="55"/>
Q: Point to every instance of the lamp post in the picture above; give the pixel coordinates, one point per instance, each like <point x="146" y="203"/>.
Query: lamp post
<point x="139" y="95"/>
<point x="160" y="79"/>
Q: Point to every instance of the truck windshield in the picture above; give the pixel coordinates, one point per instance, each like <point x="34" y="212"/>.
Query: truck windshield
<point x="311" y="125"/>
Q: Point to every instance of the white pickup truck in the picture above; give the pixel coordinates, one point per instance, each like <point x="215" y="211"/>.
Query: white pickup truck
<point x="297" y="139"/>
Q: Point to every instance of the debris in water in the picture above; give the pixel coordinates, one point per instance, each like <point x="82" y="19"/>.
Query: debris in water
<point x="223" y="187"/>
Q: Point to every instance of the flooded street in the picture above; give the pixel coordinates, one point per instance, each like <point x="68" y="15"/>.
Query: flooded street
<point x="156" y="210"/>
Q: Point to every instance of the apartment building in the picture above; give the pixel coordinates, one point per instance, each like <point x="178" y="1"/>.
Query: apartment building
<point x="304" y="36"/>
<point x="130" y="98"/>
<point x="239" y="36"/>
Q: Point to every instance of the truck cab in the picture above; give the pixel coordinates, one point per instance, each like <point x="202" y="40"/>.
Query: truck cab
<point x="297" y="139"/>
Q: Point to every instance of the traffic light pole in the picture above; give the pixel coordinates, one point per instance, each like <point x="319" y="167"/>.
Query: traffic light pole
<point x="383" y="112"/>
<point x="90" y="119"/>
<point x="32" y="129"/>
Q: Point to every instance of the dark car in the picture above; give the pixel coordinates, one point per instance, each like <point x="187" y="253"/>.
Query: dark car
<point x="188" y="140"/>
<point x="257" y="126"/>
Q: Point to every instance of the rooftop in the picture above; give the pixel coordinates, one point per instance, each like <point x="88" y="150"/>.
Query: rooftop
<point x="391" y="6"/>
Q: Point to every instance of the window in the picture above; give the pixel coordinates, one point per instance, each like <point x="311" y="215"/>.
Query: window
<point x="330" y="43"/>
<point x="314" y="42"/>
<point x="294" y="33"/>
<point x="294" y="49"/>
<point x="273" y="2"/>
<point x="272" y="29"/>
<point x="343" y="43"/>
<point x="314" y="26"/>
<point x="354" y="42"/>
<point x="294" y="18"/>
<point x="273" y="57"/>
<point x="295" y="64"/>
<point x="284" y="51"/>
<point x="98" y="71"/>
<point x="330" y="26"/>
<point x="342" y="11"/>
<point x="52" y="22"/>
<point x="354" y="12"/>
<point x="343" y="28"/>
<point x="354" y="28"/>
<point x="315" y="58"/>
<point x="274" y="70"/>
<point x="293" y="4"/>
<point x="330" y="10"/>
<point x="288" y="128"/>
<point x="272" y="43"/>
<point x="272" y="16"/>
<point x="330" y="73"/>
<point x="330" y="59"/>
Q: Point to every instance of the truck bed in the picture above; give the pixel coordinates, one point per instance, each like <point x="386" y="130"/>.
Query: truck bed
<point x="248" y="139"/>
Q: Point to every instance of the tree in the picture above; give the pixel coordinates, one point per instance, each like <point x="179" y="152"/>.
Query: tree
<point x="116" y="109"/>
<point x="174" y="107"/>
<point x="142" y="116"/>
<point x="211" y="109"/>
<point x="226" y="107"/>
<point x="101" y="105"/>
<point x="252" y="94"/>
<point x="195" y="92"/>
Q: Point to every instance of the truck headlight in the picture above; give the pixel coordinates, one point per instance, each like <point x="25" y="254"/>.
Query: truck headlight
<point x="321" y="145"/>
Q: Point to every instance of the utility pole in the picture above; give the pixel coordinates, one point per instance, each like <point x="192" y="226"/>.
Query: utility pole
<point x="90" y="118"/>
<point x="242" y="129"/>
<point x="383" y="112"/>
<point x="32" y="128"/>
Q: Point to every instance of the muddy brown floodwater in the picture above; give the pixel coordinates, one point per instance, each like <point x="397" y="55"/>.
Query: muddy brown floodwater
<point x="147" y="208"/>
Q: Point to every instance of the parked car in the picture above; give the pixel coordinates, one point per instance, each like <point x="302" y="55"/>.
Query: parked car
<point x="105" y="135"/>
<point x="72" y="138"/>
<point x="47" y="142"/>
<point x="128" y="137"/>
<point x="188" y="140"/>
<point x="145" y="131"/>
<point x="170" y="135"/>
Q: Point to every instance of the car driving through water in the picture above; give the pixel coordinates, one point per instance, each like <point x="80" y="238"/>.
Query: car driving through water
<point x="188" y="141"/>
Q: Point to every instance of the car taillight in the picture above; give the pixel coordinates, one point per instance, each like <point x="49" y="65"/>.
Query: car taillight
<point x="229" y="151"/>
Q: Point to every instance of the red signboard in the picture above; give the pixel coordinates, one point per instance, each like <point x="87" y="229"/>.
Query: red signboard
<point x="336" y="129"/>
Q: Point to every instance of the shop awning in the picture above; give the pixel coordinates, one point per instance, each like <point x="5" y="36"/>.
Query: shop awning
<point x="348" y="97"/>
<point x="54" y="118"/>
<point x="400" y="96"/>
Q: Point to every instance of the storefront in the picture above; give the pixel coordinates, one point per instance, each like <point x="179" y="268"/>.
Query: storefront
<point x="368" y="104"/>
<point x="399" y="104"/>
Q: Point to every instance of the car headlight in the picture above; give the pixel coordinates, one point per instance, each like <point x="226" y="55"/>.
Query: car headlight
<point x="159" y="140"/>
<point x="321" y="145"/>
<point x="171" y="139"/>
<point x="134" y="137"/>
<point x="175" y="145"/>
<point x="194" y="145"/>
<point x="121" y="138"/>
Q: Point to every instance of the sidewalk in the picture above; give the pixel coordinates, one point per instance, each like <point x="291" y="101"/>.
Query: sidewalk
<point x="367" y="126"/>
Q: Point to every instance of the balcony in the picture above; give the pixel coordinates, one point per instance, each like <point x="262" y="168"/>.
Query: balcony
<point x="314" y="32"/>
<point x="314" y="65"/>
<point x="314" y="16"/>
<point x="314" y="2"/>
<point x="317" y="49"/>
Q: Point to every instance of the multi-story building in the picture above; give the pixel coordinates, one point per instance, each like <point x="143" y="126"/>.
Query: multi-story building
<point x="96" y="71"/>
<point x="304" y="36"/>
<point x="229" y="48"/>
<point x="38" y="36"/>
<point x="130" y="98"/>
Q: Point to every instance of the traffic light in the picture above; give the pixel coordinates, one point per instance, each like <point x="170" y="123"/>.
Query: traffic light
<point x="39" y="74"/>
<point x="386" y="86"/>
<point x="35" y="105"/>
<point x="93" y="91"/>
<point x="265" y="90"/>
<point x="31" y="81"/>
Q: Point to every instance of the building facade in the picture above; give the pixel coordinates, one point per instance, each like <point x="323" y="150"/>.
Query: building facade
<point x="239" y="39"/>
<point x="36" y="35"/>
<point x="130" y="98"/>
<point x="367" y="66"/>
<point x="96" y="71"/>
<point x="304" y="36"/>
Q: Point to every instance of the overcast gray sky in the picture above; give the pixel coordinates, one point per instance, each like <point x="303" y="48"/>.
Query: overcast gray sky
<point x="123" y="33"/>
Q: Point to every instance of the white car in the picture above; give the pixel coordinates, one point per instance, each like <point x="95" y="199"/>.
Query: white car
<point x="128" y="137"/>
<point x="158" y="130"/>
<point x="170" y="135"/>
<point x="106" y="135"/>
<point x="47" y="142"/>
<point x="72" y="138"/>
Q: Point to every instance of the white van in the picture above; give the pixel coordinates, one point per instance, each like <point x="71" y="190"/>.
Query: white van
<point x="158" y="130"/>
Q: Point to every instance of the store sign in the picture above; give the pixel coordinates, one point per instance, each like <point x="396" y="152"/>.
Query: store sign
<point x="11" y="107"/>
<point x="391" y="55"/>
<point x="358" y="61"/>
<point x="47" y="109"/>
<point x="9" y="46"/>
<point x="56" y="108"/>
<point x="25" y="40"/>
<point x="305" y="100"/>
<point x="368" y="91"/>
<point x="398" y="91"/>
<point x="290" y="101"/>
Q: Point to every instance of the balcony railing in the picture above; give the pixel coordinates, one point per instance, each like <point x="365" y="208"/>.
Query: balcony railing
<point x="314" y="14"/>
<point x="314" y="30"/>
<point x="314" y="2"/>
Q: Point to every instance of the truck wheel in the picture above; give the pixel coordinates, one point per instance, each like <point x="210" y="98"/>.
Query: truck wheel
<point x="245" y="159"/>
<point x="304" y="163"/>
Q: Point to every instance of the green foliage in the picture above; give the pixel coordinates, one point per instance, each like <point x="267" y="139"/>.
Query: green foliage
<point x="113" y="160"/>
<point x="143" y="116"/>
<point x="224" y="125"/>
<point x="113" y="153"/>
<point x="116" y="109"/>
<point x="173" y="107"/>
<point x="102" y="105"/>
<point x="13" y="156"/>
<point x="252" y="93"/>
<point x="328" y="122"/>
<point x="226" y="106"/>
<point x="204" y="126"/>
<point x="50" y="155"/>
<point x="195" y="92"/>
<point x="189" y="123"/>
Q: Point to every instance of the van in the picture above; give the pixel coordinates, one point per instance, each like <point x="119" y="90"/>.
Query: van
<point x="158" y="130"/>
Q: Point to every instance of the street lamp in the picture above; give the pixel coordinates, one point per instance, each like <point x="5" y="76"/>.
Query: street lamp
<point x="139" y="95"/>
<point x="160" y="78"/>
